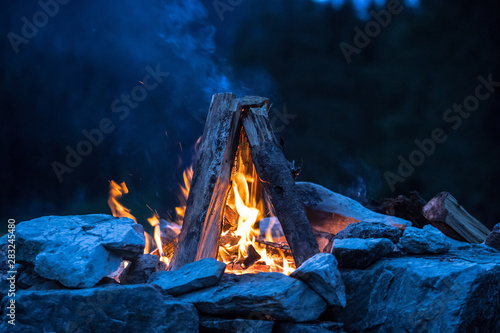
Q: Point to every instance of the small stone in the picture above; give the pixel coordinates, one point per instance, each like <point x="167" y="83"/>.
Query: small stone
<point x="493" y="239"/>
<point x="370" y="230"/>
<point x="140" y="270"/>
<point x="320" y="273"/>
<point x="211" y="324"/>
<point x="360" y="253"/>
<point x="426" y="240"/>
<point x="196" y="275"/>
<point x="272" y="294"/>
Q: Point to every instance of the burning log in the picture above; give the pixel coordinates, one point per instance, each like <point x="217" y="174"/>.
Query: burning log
<point x="444" y="209"/>
<point x="276" y="176"/>
<point x="210" y="185"/>
<point x="252" y="258"/>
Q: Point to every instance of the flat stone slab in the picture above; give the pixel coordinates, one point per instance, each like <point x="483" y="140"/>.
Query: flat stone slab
<point x="211" y="324"/>
<point x="135" y="308"/>
<point x="323" y="206"/>
<point x="360" y="253"/>
<point x="454" y="292"/>
<point x="370" y="230"/>
<point x="320" y="273"/>
<point x="273" y="294"/>
<point x="196" y="275"/>
<point x="78" y="251"/>
<point x="426" y="240"/>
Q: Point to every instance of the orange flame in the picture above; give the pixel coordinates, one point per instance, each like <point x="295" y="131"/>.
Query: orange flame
<point x="118" y="210"/>
<point x="246" y="199"/>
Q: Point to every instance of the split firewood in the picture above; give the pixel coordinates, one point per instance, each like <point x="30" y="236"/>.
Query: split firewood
<point x="202" y="226"/>
<point x="445" y="209"/>
<point x="274" y="172"/>
<point x="275" y="247"/>
<point x="405" y="207"/>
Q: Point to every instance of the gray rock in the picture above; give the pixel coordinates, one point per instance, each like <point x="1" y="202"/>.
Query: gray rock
<point x="218" y="325"/>
<point x="360" y="253"/>
<point x="140" y="270"/>
<point x="454" y="292"/>
<point x="320" y="273"/>
<point x="426" y="240"/>
<point x="196" y="275"/>
<point x="325" y="327"/>
<point x="370" y="230"/>
<point x="493" y="239"/>
<point x="320" y="199"/>
<point x="78" y="250"/>
<point x="137" y="308"/>
<point x="273" y="294"/>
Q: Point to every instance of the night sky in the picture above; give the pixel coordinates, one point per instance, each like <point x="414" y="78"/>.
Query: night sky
<point x="93" y="92"/>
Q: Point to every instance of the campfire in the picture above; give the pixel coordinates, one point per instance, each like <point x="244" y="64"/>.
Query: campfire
<point x="250" y="249"/>
<point x="232" y="212"/>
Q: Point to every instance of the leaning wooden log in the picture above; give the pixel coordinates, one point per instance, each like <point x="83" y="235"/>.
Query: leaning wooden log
<point x="444" y="208"/>
<point x="274" y="172"/>
<point x="210" y="184"/>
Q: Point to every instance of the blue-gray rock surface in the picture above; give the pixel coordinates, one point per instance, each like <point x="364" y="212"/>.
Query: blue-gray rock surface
<point x="320" y="273"/>
<point x="359" y="252"/>
<point x="219" y="325"/>
<point x="493" y="239"/>
<point x="196" y="275"/>
<point x="135" y="308"/>
<point x="370" y="230"/>
<point x="78" y="251"/>
<point x="273" y="294"/>
<point x="426" y="240"/>
<point x="321" y="327"/>
<point x="454" y="292"/>
<point x="141" y="269"/>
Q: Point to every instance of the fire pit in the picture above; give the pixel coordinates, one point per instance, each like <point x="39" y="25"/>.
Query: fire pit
<point x="251" y="250"/>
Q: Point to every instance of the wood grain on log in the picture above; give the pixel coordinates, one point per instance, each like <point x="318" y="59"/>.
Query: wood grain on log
<point x="276" y="176"/>
<point x="211" y="182"/>
<point x="444" y="208"/>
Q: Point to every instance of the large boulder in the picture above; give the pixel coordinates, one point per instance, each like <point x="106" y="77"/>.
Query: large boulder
<point x="493" y="239"/>
<point x="360" y="253"/>
<point x="455" y="292"/>
<point x="320" y="273"/>
<point x="273" y="294"/>
<point x="370" y="230"/>
<point x="426" y="240"/>
<point x="135" y="308"/>
<point x="196" y="275"/>
<point x="78" y="251"/>
<point x="331" y="212"/>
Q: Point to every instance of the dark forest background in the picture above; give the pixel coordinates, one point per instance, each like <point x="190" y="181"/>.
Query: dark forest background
<point x="350" y="121"/>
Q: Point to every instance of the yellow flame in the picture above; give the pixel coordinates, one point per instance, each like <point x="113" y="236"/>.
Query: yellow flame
<point x="116" y="191"/>
<point x="246" y="199"/>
